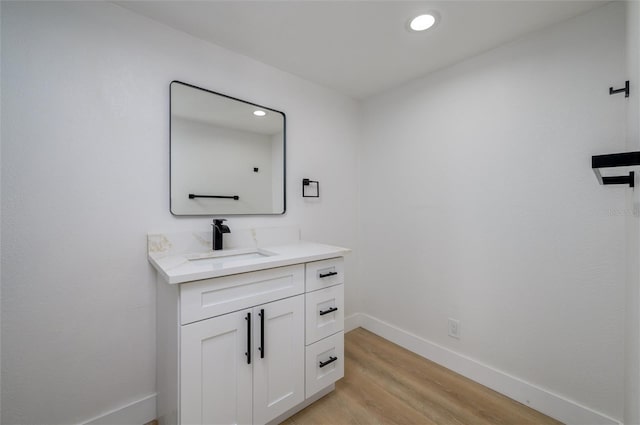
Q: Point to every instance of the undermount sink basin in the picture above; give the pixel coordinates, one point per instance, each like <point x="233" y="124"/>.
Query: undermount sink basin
<point x="223" y="258"/>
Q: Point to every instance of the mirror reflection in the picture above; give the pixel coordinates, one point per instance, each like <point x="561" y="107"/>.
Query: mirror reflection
<point x="227" y="155"/>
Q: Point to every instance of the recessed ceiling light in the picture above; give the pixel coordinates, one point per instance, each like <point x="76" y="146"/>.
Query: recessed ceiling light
<point x="422" y="22"/>
<point x="259" y="113"/>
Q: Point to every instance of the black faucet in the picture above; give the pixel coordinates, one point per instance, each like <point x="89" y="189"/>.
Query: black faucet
<point x="218" y="230"/>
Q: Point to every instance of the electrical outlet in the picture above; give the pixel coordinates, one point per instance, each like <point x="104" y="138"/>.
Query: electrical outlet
<point x="454" y="328"/>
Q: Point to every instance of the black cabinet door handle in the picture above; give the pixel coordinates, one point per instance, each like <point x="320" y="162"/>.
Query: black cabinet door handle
<point x="331" y="360"/>
<point x="331" y="310"/>
<point x="261" y="314"/>
<point x="248" y="353"/>
<point x="327" y="274"/>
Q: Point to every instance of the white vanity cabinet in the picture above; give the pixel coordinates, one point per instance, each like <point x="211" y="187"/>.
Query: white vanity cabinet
<point x="243" y="367"/>
<point x="249" y="347"/>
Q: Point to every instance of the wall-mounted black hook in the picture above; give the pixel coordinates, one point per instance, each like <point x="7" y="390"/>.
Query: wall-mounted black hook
<point x="306" y="183"/>
<point x="625" y="89"/>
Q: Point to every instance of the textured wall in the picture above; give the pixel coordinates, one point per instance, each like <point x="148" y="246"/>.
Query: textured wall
<point x="85" y="176"/>
<point x="632" y="215"/>
<point x="478" y="203"/>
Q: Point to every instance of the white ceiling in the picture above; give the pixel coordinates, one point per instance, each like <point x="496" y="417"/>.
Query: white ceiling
<point x="194" y="104"/>
<point x="358" y="47"/>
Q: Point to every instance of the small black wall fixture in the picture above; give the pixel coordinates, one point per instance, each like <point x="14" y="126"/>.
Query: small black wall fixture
<point x="624" y="90"/>
<point x="306" y="183"/>
<point x="235" y="197"/>
<point x="624" y="159"/>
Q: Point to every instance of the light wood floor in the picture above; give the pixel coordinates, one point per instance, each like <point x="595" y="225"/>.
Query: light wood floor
<point x="386" y="384"/>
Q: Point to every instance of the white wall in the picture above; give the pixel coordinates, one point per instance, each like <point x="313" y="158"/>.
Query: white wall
<point x="85" y="175"/>
<point x="1" y="70"/>
<point x="478" y="203"/>
<point x="632" y="214"/>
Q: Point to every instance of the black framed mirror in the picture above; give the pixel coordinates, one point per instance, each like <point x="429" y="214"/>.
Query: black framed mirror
<point x="227" y="155"/>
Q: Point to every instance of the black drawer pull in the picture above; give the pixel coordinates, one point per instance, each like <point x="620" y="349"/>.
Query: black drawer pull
<point x="261" y="348"/>
<point x="331" y="360"/>
<point x="331" y="310"/>
<point x="328" y="274"/>
<point x="248" y="353"/>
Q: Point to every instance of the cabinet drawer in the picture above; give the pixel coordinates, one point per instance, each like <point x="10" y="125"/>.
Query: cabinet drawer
<point x="325" y="273"/>
<point x="324" y="363"/>
<point x="213" y="297"/>
<point x="324" y="313"/>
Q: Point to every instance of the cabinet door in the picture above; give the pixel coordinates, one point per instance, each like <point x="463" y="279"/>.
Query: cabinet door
<point x="278" y="374"/>
<point x="215" y="383"/>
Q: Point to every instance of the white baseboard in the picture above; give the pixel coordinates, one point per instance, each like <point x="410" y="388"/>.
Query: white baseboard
<point x="567" y="411"/>
<point x="554" y="405"/>
<point x="352" y="322"/>
<point x="138" y="412"/>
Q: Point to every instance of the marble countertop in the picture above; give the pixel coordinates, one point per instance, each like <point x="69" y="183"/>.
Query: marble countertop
<point x="189" y="266"/>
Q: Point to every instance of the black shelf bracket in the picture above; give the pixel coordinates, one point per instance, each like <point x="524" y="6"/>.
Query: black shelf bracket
<point x="624" y="90"/>
<point x="306" y="183"/>
<point x="624" y="159"/>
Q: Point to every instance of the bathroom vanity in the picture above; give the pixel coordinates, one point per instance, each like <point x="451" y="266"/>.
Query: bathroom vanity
<point x="246" y="335"/>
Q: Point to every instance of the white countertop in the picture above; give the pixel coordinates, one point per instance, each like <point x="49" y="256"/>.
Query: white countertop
<point x="185" y="267"/>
